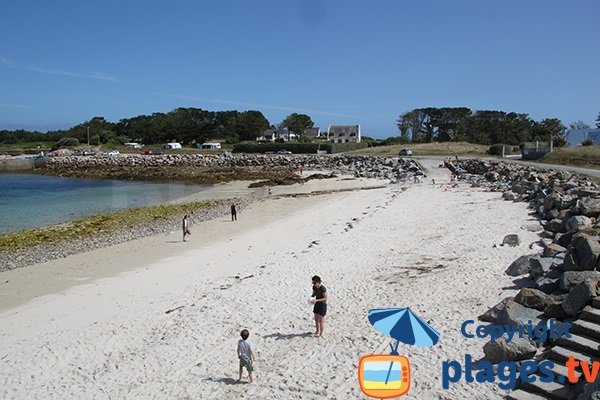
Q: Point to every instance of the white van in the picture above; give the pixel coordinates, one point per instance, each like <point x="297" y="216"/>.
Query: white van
<point x="209" y="146"/>
<point x="172" y="146"/>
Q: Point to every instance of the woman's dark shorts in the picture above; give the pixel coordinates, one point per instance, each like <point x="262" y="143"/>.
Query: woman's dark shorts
<point x="320" y="308"/>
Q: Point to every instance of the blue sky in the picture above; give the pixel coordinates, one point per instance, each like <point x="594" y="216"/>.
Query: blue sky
<point x="341" y="62"/>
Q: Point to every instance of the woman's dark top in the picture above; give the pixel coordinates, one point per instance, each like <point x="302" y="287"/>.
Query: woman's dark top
<point x="320" y="307"/>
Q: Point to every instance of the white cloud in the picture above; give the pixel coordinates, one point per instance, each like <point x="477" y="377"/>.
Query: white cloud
<point x="262" y="106"/>
<point x="33" y="68"/>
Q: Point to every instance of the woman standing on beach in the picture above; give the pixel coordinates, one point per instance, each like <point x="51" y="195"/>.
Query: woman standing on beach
<point x="186" y="227"/>
<point x="320" y="301"/>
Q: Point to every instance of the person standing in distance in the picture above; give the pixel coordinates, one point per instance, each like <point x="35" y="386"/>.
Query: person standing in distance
<point x="320" y="304"/>
<point x="185" y="225"/>
<point x="233" y="213"/>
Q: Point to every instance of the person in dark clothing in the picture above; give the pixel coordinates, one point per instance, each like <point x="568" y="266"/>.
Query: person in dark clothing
<point x="233" y="213"/>
<point x="320" y="296"/>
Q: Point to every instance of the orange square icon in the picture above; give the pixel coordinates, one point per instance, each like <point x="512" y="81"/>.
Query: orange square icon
<point x="384" y="376"/>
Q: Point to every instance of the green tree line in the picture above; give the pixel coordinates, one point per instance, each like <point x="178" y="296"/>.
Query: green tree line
<point x="195" y="125"/>
<point x="482" y="126"/>
<point x="183" y="125"/>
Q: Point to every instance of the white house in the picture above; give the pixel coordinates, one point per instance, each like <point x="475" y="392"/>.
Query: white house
<point x="209" y="146"/>
<point x="172" y="146"/>
<point x="272" y="134"/>
<point x="343" y="133"/>
<point x="268" y="136"/>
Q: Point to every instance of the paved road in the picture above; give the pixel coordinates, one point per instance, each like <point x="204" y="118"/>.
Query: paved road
<point x="585" y="171"/>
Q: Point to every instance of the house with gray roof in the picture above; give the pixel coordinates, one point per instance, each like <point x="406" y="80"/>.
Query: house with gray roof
<point x="312" y="132"/>
<point x="343" y="133"/>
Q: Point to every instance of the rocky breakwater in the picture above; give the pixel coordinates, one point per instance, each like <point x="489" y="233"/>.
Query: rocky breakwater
<point x="242" y="166"/>
<point x="560" y="283"/>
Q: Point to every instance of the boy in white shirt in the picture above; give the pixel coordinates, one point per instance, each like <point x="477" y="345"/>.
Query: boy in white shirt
<point x="245" y="354"/>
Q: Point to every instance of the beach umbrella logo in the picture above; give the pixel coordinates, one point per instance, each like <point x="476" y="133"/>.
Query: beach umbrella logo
<point x="386" y="376"/>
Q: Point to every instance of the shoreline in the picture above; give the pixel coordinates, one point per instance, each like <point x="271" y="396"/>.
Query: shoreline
<point x="119" y="243"/>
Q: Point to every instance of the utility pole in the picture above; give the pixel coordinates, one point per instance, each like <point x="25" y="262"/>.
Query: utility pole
<point x="88" y="134"/>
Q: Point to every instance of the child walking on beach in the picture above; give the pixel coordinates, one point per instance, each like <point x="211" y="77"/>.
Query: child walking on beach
<point x="245" y="354"/>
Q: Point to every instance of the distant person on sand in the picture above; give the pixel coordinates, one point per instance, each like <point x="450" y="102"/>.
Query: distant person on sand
<point x="245" y="354"/>
<point x="233" y="213"/>
<point x="320" y="301"/>
<point x="185" y="225"/>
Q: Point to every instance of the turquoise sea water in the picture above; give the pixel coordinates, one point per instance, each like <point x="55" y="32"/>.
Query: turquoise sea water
<point x="30" y="201"/>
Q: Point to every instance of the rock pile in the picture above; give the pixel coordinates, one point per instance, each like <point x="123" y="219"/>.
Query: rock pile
<point x="360" y="166"/>
<point x="564" y="278"/>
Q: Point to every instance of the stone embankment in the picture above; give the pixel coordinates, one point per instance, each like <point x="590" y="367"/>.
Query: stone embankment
<point x="560" y="282"/>
<point x="402" y="169"/>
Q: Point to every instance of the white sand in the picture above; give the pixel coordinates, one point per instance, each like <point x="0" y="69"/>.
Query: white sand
<point x="94" y="326"/>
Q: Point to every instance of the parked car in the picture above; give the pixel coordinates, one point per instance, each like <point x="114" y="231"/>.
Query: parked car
<point x="112" y="153"/>
<point x="405" y="152"/>
<point x="284" y="151"/>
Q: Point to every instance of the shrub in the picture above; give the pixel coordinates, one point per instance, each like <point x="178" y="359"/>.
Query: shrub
<point x="496" y="149"/>
<point x="587" y="142"/>
<point x="66" y="142"/>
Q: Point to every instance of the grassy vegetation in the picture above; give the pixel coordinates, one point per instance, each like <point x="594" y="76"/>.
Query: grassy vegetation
<point x="99" y="224"/>
<point x="25" y="147"/>
<point x="580" y="156"/>
<point x="430" y="149"/>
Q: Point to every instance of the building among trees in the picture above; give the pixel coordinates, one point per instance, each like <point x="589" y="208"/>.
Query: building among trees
<point x="343" y="133"/>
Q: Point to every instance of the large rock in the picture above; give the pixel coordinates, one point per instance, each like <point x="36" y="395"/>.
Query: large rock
<point x="517" y="349"/>
<point x="577" y="221"/>
<point x="555" y="310"/>
<point x="509" y="196"/>
<point x="564" y="239"/>
<point x="520" y="266"/>
<point x="539" y="266"/>
<point x="555" y="225"/>
<point x="491" y="315"/>
<point x="553" y="249"/>
<point x="570" y="279"/>
<point x="589" y="207"/>
<point x="571" y="263"/>
<point x="512" y="240"/>
<point x="552" y="201"/>
<point x="533" y="298"/>
<point x="580" y="296"/>
<point x="547" y="285"/>
<point x="588" y="250"/>
<point x="515" y="314"/>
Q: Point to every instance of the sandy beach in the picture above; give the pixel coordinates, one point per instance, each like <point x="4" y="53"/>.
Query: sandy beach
<point x="156" y="318"/>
